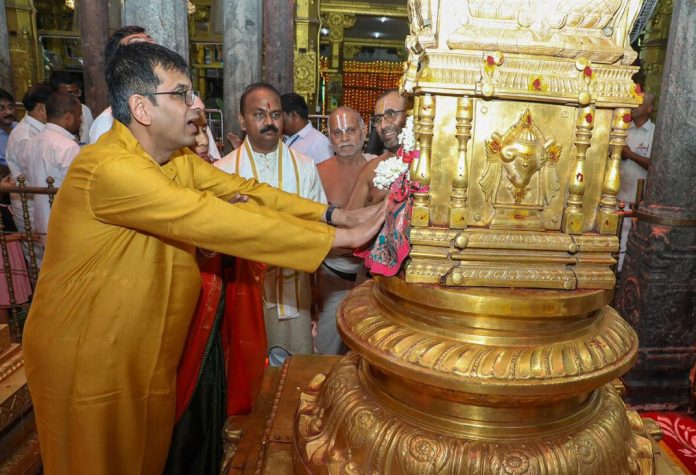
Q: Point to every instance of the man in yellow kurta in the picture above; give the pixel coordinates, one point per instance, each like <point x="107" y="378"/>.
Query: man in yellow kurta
<point x="119" y="282"/>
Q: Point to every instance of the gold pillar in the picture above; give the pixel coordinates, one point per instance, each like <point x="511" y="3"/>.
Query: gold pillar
<point x="336" y="23"/>
<point x="306" y="64"/>
<point x="460" y="181"/>
<point x="27" y="64"/>
<point x="573" y="217"/>
<point x="607" y="217"/>
<point x="420" y="168"/>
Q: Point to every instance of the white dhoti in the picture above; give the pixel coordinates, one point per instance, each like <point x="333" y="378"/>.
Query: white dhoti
<point x="336" y="277"/>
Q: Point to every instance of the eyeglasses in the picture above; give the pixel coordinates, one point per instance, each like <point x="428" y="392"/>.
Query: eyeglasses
<point x="188" y="95"/>
<point x="389" y="115"/>
<point x="260" y="115"/>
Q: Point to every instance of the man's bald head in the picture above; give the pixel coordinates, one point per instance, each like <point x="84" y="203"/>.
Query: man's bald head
<point x="641" y="114"/>
<point x="347" y="132"/>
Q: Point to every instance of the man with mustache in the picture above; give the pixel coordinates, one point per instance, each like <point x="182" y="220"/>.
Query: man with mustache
<point x="389" y="118"/>
<point x="7" y="121"/>
<point x="338" y="273"/>
<point x="264" y="157"/>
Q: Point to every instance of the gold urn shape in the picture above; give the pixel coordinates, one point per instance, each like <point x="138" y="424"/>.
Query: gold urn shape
<point x="495" y="351"/>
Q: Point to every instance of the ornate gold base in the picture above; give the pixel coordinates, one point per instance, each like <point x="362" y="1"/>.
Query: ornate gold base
<point x="473" y="381"/>
<point x="347" y="424"/>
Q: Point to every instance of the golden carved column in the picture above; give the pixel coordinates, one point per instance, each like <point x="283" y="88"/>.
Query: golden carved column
<point x="336" y="23"/>
<point x="458" y="208"/>
<point x="607" y="217"/>
<point x="420" y="169"/>
<point x="306" y="56"/>
<point x="573" y="217"/>
<point x="27" y="64"/>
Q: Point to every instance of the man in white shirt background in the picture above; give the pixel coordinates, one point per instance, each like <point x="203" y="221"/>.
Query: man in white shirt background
<point x="299" y="131"/>
<point x="264" y="157"/>
<point x="52" y="151"/>
<point x="64" y="82"/>
<point x="17" y="158"/>
<point x="635" y="160"/>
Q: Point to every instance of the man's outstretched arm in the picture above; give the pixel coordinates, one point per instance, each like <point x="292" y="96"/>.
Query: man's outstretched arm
<point x="133" y="194"/>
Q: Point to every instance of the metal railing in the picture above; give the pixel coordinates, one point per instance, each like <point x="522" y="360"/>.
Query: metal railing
<point x="29" y="238"/>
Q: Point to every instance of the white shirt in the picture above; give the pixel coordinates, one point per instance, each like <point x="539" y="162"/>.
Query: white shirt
<point x="85" y="124"/>
<point x="52" y="151"/>
<point x="639" y="140"/>
<point x="312" y="143"/>
<point x="16" y="144"/>
<point x="17" y="160"/>
<point x="102" y="124"/>
<point x="285" y="289"/>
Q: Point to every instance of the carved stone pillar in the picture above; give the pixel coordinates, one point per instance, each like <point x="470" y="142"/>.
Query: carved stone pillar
<point x="5" y="66"/>
<point x="279" y="43"/>
<point x="166" y="21"/>
<point x="652" y="54"/>
<point x="656" y="291"/>
<point x="95" y="28"/>
<point x="242" y="53"/>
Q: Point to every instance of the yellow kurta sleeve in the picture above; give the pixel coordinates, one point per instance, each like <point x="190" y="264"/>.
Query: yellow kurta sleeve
<point x="223" y="185"/>
<point x="132" y="192"/>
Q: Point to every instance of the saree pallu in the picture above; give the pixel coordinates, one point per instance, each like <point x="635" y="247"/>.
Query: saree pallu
<point x="221" y="369"/>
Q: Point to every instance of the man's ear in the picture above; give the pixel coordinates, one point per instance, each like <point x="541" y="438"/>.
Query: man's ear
<point x="139" y="110"/>
<point x="242" y="122"/>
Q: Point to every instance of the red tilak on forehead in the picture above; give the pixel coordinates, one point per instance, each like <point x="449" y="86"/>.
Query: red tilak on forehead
<point x="268" y="105"/>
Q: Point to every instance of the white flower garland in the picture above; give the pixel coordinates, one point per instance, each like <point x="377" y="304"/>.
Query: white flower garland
<point x="407" y="138"/>
<point x="389" y="170"/>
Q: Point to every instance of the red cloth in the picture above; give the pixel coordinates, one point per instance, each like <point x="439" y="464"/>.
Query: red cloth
<point x="679" y="435"/>
<point x="243" y="333"/>
<point x="244" y="336"/>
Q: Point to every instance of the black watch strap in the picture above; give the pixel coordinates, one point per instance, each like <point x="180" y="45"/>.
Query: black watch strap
<point x="329" y="213"/>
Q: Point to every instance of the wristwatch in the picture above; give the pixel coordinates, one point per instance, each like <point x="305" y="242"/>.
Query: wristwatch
<point x="329" y="211"/>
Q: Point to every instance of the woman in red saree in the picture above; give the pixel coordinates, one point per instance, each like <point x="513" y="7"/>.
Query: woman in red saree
<point x="222" y="364"/>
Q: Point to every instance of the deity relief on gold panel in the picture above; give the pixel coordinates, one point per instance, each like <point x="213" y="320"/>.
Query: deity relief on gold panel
<point x="520" y="176"/>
